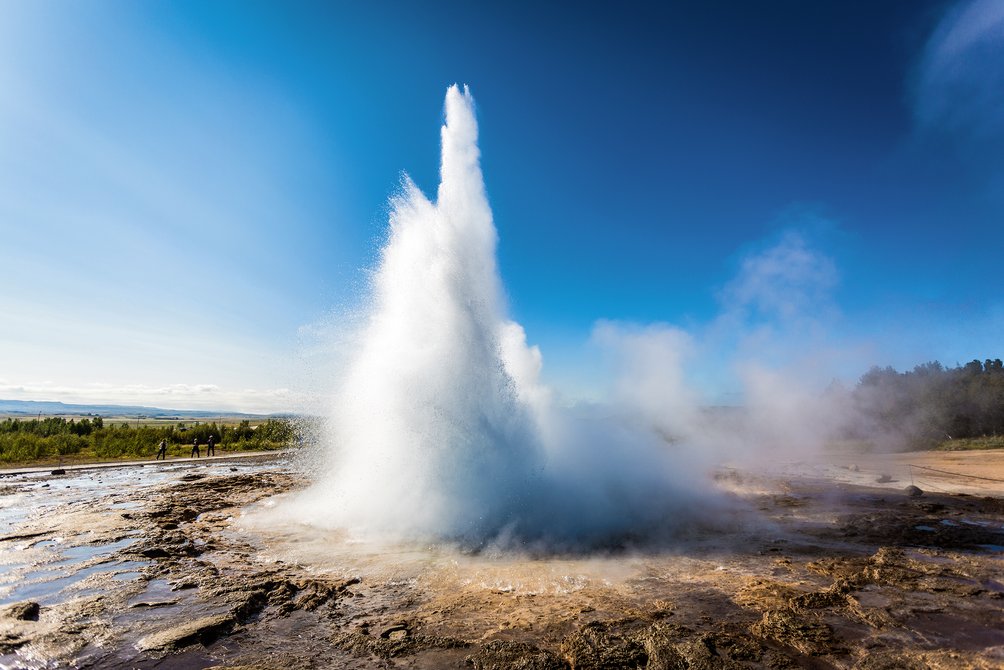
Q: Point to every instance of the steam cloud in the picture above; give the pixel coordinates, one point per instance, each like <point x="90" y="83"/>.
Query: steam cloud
<point x="441" y="428"/>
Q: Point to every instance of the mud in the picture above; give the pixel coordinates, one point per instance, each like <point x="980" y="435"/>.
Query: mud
<point x="180" y="567"/>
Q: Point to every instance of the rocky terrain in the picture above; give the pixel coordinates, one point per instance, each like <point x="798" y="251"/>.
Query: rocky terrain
<point x="160" y="567"/>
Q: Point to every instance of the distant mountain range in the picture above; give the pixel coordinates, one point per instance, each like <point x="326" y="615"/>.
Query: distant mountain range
<point x="47" y="408"/>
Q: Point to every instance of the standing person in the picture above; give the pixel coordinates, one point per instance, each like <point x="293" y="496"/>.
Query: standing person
<point x="210" y="446"/>
<point x="162" y="452"/>
<point x="195" y="449"/>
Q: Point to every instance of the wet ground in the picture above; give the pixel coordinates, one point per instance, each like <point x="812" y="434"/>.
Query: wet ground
<point x="183" y="565"/>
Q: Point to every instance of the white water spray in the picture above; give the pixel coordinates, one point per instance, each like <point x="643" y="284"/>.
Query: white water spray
<point x="441" y="429"/>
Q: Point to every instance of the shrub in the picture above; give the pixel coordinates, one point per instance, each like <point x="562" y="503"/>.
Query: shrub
<point x="18" y="447"/>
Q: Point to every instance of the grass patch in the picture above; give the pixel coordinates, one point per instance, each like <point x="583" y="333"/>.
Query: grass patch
<point x="89" y="456"/>
<point x="54" y="440"/>
<point x="972" y="443"/>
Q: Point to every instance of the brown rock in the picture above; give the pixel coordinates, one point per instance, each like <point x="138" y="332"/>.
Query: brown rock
<point x="593" y="647"/>
<point x="202" y="630"/>
<point x="508" y="655"/>
<point x="25" y="611"/>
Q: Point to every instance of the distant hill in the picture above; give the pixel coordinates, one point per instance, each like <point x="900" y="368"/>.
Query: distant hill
<point x="29" y="408"/>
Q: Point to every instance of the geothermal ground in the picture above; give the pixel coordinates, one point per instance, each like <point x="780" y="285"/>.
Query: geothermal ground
<point x="822" y="565"/>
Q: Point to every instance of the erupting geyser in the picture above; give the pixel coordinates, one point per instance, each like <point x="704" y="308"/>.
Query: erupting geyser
<point x="440" y="428"/>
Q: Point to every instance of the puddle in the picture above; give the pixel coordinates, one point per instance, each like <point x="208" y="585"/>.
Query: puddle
<point x="127" y="576"/>
<point x="9" y="568"/>
<point x="157" y="590"/>
<point x="13" y="510"/>
<point x="966" y="635"/>
<point x="155" y="605"/>
<point x="924" y="555"/>
<point x="86" y="552"/>
<point x="991" y="585"/>
<point x="47" y="585"/>
<point x="39" y="591"/>
<point x="872" y="598"/>
<point x="41" y="573"/>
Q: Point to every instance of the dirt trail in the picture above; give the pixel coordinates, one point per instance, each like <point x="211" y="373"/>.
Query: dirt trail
<point x="977" y="472"/>
<point x="170" y="460"/>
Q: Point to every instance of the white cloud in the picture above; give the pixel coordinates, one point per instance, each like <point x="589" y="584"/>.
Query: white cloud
<point x="171" y="396"/>
<point x="960" y="81"/>
<point x="782" y="282"/>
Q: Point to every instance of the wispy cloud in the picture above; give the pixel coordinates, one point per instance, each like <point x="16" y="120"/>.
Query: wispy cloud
<point x="783" y="281"/>
<point x="172" y="396"/>
<point x="960" y="80"/>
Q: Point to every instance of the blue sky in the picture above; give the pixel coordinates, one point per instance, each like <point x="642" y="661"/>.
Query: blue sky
<point x="191" y="191"/>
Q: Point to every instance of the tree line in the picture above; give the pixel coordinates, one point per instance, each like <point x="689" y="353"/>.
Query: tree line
<point x="23" y="440"/>
<point x="931" y="403"/>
